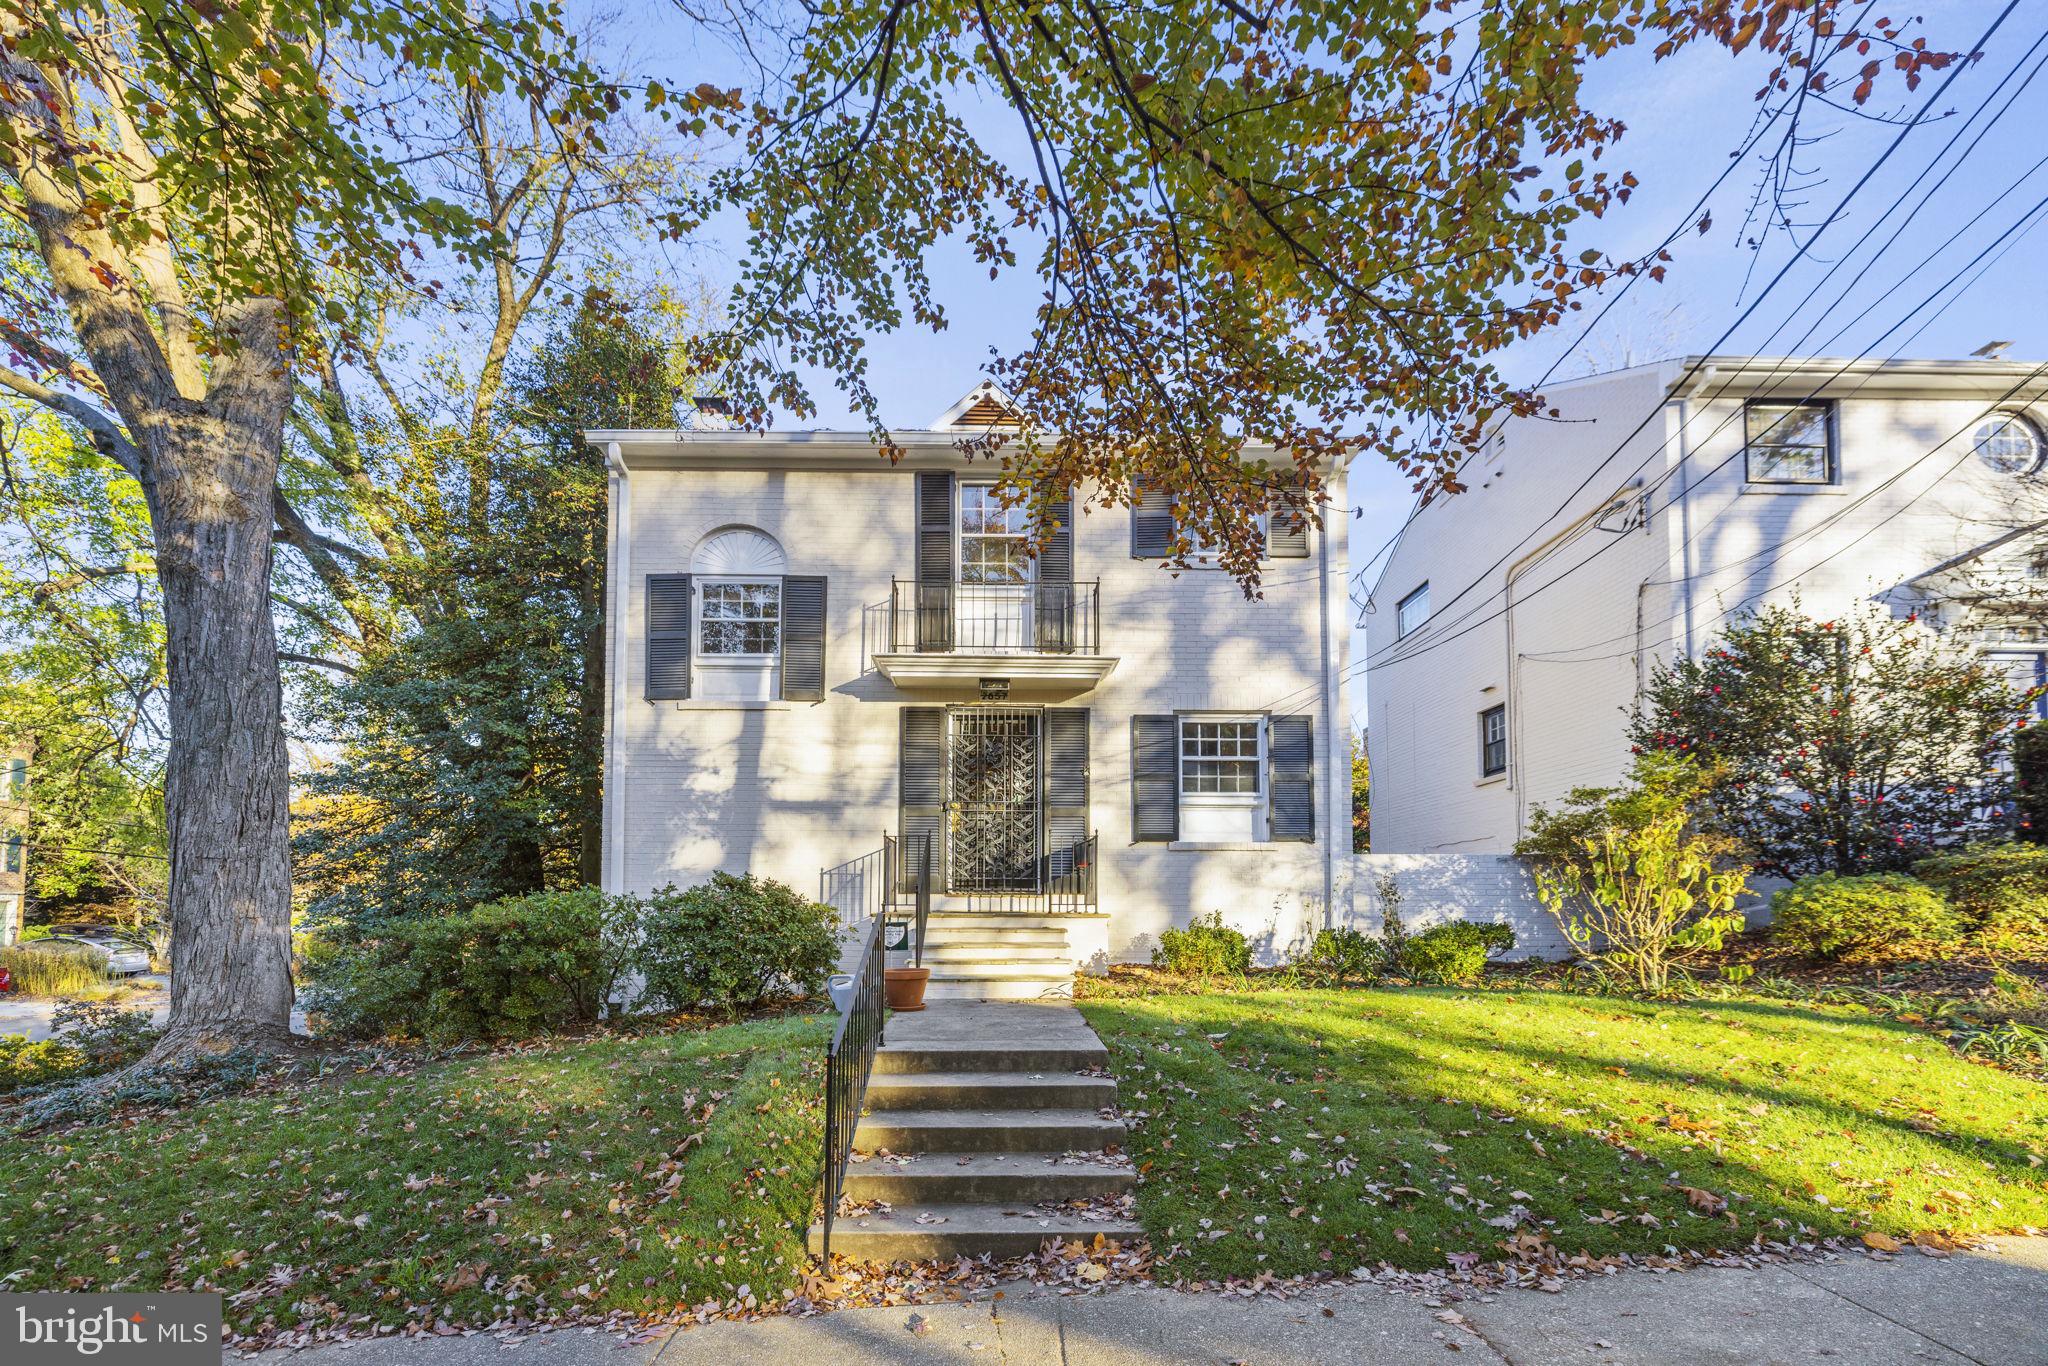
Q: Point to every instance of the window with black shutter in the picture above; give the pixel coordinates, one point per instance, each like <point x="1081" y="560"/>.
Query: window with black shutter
<point x="1290" y="757"/>
<point x="668" y="636"/>
<point x="934" y="509"/>
<point x="803" y="639"/>
<point x="1151" y="523"/>
<point x="1155" y="778"/>
<point x="1066" y="786"/>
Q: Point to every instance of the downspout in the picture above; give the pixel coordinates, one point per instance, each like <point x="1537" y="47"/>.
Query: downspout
<point x="1331" y="683"/>
<point x="618" y="553"/>
<point x="1514" y="670"/>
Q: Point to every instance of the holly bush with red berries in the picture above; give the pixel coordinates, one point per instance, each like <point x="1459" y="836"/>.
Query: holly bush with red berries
<point x="1849" y="745"/>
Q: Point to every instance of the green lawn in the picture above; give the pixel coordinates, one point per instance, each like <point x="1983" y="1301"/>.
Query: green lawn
<point x="1295" y="1131"/>
<point x="575" y="1177"/>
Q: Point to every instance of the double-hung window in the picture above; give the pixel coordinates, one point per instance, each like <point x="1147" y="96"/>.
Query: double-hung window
<point x="1222" y="777"/>
<point x="1789" y="443"/>
<point x="1412" y="612"/>
<point x="1493" y="741"/>
<point x="995" y="541"/>
<point x="740" y="619"/>
<point x="10" y="850"/>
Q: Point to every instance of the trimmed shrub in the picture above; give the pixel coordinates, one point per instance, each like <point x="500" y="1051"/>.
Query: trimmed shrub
<point x="1871" y="918"/>
<point x="1454" y="954"/>
<point x="58" y="970"/>
<point x="2000" y="891"/>
<point x="1346" y="955"/>
<point x="735" y="941"/>
<point x="1206" y="948"/>
<point x="508" y="969"/>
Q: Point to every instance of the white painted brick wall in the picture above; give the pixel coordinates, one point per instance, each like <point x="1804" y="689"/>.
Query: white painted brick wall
<point x="1439" y="888"/>
<point x="785" y="792"/>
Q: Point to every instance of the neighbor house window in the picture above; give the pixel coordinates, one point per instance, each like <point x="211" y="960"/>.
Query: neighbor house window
<point x="11" y="859"/>
<point x="1413" y="611"/>
<point x="17" y="777"/>
<point x="2009" y="443"/>
<point x="1790" y="443"/>
<point x="1493" y="741"/>
<point x="739" y="618"/>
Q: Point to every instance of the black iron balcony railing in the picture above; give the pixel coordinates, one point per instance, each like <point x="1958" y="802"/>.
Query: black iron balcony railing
<point x="996" y="618"/>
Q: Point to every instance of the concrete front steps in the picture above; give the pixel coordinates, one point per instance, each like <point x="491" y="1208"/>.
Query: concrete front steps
<point x="997" y="957"/>
<point x="989" y="1128"/>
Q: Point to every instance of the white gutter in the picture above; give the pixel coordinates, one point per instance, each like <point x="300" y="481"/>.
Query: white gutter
<point x="618" y="554"/>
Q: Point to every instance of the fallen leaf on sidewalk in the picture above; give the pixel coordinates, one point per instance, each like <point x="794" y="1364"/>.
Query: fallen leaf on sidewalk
<point x="919" y="1324"/>
<point x="1881" y="1242"/>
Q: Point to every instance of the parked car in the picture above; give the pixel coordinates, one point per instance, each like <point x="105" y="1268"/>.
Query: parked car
<point x="125" y="957"/>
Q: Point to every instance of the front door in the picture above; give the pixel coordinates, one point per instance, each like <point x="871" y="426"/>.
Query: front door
<point x="994" y="812"/>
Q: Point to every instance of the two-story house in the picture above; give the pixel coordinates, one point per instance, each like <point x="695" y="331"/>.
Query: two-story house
<point x="1514" y="623"/>
<point x="815" y="653"/>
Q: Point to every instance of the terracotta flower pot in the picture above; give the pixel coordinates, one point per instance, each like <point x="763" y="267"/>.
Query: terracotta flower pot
<point x="905" y="987"/>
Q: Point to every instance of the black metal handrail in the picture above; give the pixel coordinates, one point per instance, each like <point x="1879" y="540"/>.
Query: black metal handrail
<point x="849" y="1062"/>
<point x="1065" y="886"/>
<point x="997" y="618"/>
<point x="924" y="896"/>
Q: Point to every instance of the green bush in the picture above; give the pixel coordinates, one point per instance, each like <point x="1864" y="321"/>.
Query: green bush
<point x="507" y="969"/>
<point x="105" y="1035"/>
<point x="1346" y="955"/>
<point x="1204" y="949"/>
<point x="1454" y="954"/>
<point x="735" y="941"/>
<point x="61" y="970"/>
<point x="2000" y="891"/>
<point x="1871" y="918"/>
<point x="23" y="1063"/>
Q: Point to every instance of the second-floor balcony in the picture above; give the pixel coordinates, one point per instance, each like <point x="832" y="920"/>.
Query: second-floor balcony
<point x="968" y="632"/>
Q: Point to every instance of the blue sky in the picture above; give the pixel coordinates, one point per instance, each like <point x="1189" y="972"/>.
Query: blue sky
<point x="1684" y="117"/>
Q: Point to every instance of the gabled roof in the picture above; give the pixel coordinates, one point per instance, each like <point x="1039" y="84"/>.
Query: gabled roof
<point x="1976" y="553"/>
<point x="980" y="408"/>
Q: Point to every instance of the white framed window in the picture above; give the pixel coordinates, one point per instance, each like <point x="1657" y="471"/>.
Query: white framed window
<point x="2009" y="443"/>
<point x="1493" y="741"/>
<point x="1411" y="612"/>
<point x="1222" y="756"/>
<point x="739" y="619"/>
<point x="1204" y="555"/>
<point x="1789" y="443"/>
<point x="995" y="541"/>
<point x="1223" y="778"/>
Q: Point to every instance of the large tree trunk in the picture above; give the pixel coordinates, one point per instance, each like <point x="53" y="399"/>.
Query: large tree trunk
<point x="227" y="790"/>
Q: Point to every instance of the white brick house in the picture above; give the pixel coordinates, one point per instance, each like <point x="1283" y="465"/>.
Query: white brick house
<point x="811" y="649"/>
<point x="1513" y="623"/>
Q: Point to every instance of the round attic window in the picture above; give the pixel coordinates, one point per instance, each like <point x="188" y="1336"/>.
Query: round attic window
<point x="2009" y="443"/>
<point x="738" y="551"/>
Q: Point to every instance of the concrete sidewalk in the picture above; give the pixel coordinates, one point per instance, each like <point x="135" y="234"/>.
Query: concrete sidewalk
<point x="1986" y="1307"/>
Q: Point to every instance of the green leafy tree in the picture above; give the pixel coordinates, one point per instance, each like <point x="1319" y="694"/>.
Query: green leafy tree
<point x="1361" y="796"/>
<point x="469" y="745"/>
<point x="1851" y="745"/>
<point x="1305" y="223"/>
<point x="1631" y="878"/>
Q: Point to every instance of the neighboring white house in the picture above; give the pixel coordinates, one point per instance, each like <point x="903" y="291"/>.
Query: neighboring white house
<point x="812" y="648"/>
<point x="1514" y="623"/>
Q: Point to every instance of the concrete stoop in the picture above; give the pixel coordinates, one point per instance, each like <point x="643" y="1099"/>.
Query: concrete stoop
<point x="997" y="957"/>
<point x="990" y="1127"/>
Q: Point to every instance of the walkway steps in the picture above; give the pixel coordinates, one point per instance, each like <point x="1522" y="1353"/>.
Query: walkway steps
<point x="989" y="1128"/>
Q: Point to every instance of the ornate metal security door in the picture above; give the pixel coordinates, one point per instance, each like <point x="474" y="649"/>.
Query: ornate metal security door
<point x="994" y="814"/>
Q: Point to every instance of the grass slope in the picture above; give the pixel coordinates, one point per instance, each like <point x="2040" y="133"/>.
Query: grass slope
<point x="1294" y="1131"/>
<point x="613" y="1173"/>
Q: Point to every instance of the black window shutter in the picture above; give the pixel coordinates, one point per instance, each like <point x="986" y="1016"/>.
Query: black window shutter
<point x="1291" y="777"/>
<point x="1287" y="536"/>
<point x="935" y="561"/>
<point x="1155" y="778"/>
<point x="921" y="792"/>
<point x="668" y="636"/>
<point x="1055" y="614"/>
<point x="1066" y="793"/>
<point x="803" y="639"/>
<point x="1151" y="523"/>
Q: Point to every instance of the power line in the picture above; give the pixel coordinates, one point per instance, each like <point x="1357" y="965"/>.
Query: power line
<point x="1797" y="256"/>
